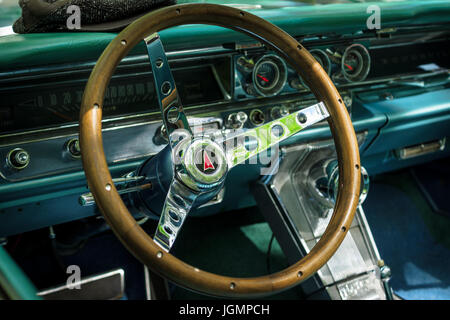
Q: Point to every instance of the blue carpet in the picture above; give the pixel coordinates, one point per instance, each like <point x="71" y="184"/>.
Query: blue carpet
<point x="400" y="223"/>
<point x="434" y="179"/>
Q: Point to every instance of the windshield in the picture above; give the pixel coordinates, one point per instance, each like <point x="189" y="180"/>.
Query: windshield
<point x="9" y="12"/>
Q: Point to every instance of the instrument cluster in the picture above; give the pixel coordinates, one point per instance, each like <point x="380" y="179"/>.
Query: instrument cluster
<point x="268" y="75"/>
<point x="39" y="119"/>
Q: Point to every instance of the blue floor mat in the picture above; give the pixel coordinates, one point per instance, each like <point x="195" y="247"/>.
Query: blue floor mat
<point x="419" y="261"/>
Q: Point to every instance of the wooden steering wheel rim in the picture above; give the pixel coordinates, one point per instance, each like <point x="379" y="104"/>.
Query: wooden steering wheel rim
<point x="116" y="213"/>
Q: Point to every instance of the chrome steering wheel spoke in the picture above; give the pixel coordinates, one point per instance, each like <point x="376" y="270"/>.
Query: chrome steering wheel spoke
<point x="166" y="90"/>
<point x="193" y="178"/>
<point x="179" y="201"/>
<point x="248" y="143"/>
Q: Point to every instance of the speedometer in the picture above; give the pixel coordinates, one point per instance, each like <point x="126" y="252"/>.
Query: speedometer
<point x="269" y="75"/>
<point x="355" y="63"/>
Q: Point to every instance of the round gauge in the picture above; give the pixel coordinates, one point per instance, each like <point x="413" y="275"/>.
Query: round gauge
<point x="355" y="63"/>
<point x="322" y="59"/>
<point x="269" y="75"/>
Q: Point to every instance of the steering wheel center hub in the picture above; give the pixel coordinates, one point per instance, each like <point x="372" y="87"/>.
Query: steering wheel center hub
<point x="204" y="164"/>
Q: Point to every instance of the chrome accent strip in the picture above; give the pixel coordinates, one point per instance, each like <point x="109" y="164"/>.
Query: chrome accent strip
<point x="199" y="51"/>
<point x="87" y="199"/>
<point x="119" y="272"/>
<point x="421" y="149"/>
<point x="368" y="236"/>
<point x="148" y="290"/>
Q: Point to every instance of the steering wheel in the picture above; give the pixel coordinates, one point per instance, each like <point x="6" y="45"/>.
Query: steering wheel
<point x="196" y="175"/>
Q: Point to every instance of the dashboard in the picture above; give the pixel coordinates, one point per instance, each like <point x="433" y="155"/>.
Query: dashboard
<point x="394" y="82"/>
<point x="221" y="88"/>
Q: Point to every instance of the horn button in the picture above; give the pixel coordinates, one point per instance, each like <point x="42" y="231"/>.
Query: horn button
<point x="203" y="164"/>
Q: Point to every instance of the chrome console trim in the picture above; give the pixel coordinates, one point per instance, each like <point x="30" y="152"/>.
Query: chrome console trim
<point x="352" y="272"/>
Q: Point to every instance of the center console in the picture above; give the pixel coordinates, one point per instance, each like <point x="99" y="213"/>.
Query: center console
<point x="298" y="204"/>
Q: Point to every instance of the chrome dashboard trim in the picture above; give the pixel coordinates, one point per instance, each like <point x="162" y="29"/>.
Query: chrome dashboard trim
<point x="379" y="81"/>
<point x="197" y="51"/>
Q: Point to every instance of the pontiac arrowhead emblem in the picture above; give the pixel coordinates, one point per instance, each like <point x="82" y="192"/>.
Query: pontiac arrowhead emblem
<point x="207" y="164"/>
<point x="206" y="160"/>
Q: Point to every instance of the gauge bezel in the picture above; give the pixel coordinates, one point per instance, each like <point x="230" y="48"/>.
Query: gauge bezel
<point x="363" y="53"/>
<point x="279" y="83"/>
<point x="324" y="57"/>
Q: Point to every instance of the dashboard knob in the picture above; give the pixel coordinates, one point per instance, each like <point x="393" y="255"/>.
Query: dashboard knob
<point x="18" y="159"/>
<point x="279" y="112"/>
<point x="72" y="148"/>
<point x="236" y="120"/>
<point x="257" y="117"/>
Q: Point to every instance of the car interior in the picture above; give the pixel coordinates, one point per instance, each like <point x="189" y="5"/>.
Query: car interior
<point x="208" y="150"/>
